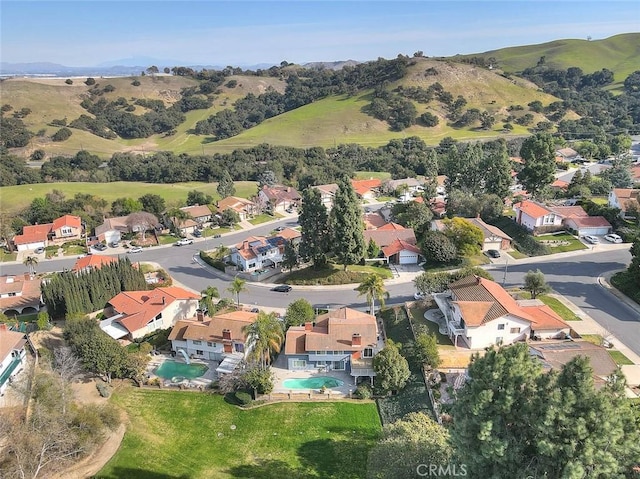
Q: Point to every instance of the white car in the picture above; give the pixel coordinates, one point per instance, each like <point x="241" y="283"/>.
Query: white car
<point x="591" y="239"/>
<point x="419" y="296"/>
<point x="614" y="238"/>
<point x="184" y="241"/>
<point x="135" y="249"/>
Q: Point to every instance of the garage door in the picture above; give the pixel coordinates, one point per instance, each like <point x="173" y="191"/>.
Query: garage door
<point x="593" y="231"/>
<point x="492" y="245"/>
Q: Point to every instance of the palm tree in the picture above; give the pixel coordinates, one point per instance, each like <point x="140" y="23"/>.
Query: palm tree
<point x="373" y="288"/>
<point x="237" y="286"/>
<point x="31" y="262"/>
<point x="207" y="298"/>
<point x="264" y="337"/>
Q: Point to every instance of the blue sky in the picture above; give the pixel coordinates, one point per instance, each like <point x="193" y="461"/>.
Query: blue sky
<point x="240" y="33"/>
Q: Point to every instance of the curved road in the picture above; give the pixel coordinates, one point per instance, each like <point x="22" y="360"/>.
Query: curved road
<point x="573" y="275"/>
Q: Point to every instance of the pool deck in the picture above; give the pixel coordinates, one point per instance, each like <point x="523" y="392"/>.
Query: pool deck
<point x="202" y="381"/>
<point x="282" y="373"/>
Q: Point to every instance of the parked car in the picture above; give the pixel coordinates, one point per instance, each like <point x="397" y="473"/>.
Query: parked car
<point x="255" y="310"/>
<point x="591" y="239"/>
<point x="39" y="250"/>
<point x="493" y="253"/>
<point x="217" y="236"/>
<point x="135" y="249"/>
<point x="282" y="288"/>
<point x="197" y="234"/>
<point x="184" y="241"/>
<point x="114" y="244"/>
<point x="418" y="296"/>
<point x="100" y="247"/>
<point x="614" y="238"/>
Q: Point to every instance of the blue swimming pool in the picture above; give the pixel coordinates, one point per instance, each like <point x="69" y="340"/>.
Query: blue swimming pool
<point x="177" y="372"/>
<point x="312" y="383"/>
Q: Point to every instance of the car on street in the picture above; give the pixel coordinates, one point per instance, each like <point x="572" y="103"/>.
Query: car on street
<point x="135" y="249"/>
<point x="217" y="236"/>
<point x="100" y="247"/>
<point x="493" y="253"/>
<point x="255" y="310"/>
<point x="39" y="250"/>
<point x="282" y="288"/>
<point x="280" y="228"/>
<point x="197" y="233"/>
<point x="591" y="239"/>
<point x="184" y="241"/>
<point x="614" y="238"/>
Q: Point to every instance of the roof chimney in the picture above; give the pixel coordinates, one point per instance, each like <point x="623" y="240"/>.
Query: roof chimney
<point x="163" y="300"/>
<point x="245" y="245"/>
<point x="308" y="326"/>
<point x="226" y="334"/>
<point x="356" y="339"/>
<point x="200" y="315"/>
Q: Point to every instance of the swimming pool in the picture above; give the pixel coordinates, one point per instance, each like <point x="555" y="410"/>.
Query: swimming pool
<point x="312" y="383"/>
<point x="177" y="372"/>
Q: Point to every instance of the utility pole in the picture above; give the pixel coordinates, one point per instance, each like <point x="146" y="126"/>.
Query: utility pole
<point x="506" y="265"/>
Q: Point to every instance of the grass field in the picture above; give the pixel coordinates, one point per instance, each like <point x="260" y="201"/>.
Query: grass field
<point x="16" y="198"/>
<point x="189" y="435"/>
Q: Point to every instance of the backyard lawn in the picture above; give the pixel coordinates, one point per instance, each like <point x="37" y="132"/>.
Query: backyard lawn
<point x="417" y="315"/>
<point x="174" y="434"/>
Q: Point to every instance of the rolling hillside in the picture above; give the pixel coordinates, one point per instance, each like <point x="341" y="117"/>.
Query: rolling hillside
<point x="620" y="54"/>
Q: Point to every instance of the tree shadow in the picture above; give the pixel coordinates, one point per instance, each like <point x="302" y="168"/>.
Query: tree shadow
<point x="132" y="473"/>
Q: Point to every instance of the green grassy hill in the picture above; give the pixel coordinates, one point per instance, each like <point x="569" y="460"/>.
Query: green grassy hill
<point x="620" y="54"/>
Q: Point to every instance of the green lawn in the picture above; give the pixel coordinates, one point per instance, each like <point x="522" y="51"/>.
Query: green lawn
<point x="167" y="239"/>
<point x="517" y="254"/>
<point x="335" y="274"/>
<point x="417" y="315"/>
<point x="574" y="244"/>
<point x="564" y="312"/>
<point x="593" y="338"/>
<point x="619" y="358"/>
<point x="263" y="218"/>
<point x="4" y="256"/>
<point x="373" y="175"/>
<point x="16" y="198"/>
<point x="189" y="435"/>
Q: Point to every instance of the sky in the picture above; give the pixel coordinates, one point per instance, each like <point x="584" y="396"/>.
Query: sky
<point x="242" y="33"/>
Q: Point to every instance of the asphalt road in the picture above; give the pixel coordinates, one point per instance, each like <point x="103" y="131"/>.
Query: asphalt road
<point x="573" y="276"/>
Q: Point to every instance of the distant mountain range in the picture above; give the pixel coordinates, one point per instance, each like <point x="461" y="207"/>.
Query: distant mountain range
<point x="130" y="66"/>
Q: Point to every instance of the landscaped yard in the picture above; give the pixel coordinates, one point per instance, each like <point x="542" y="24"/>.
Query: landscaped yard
<point x="620" y="358"/>
<point x="566" y="242"/>
<point x="514" y="253"/>
<point x="4" y="256"/>
<point x="263" y="218"/>
<point x="335" y="274"/>
<point x="414" y="397"/>
<point x="417" y="315"/>
<point x="554" y="303"/>
<point x="174" y="434"/>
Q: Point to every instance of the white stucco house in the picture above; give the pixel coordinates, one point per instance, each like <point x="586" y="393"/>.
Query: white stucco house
<point x="622" y="198"/>
<point x="327" y="193"/>
<point x="20" y="294"/>
<point x="259" y="252"/>
<point x="494" y="238"/>
<point x="13" y="355"/>
<point x="133" y="314"/>
<point x="539" y="218"/>
<point x="479" y="313"/>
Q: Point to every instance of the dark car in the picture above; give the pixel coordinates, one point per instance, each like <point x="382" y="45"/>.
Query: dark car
<point x="197" y="233"/>
<point x="493" y="253"/>
<point x="100" y="247"/>
<point x="282" y="288"/>
<point x="114" y="244"/>
<point x="217" y="236"/>
<point x="39" y="250"/>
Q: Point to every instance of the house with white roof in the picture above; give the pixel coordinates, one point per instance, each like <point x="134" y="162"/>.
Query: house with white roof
<point x="479" y="313"/>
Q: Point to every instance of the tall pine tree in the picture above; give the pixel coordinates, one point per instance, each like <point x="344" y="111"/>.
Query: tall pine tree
<point x="314" y="223"/>
<point x="346" y="225"/>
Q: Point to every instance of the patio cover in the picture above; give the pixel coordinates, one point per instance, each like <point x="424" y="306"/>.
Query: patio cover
<point x="113" y="328"/>
<point x="229" y="363"/>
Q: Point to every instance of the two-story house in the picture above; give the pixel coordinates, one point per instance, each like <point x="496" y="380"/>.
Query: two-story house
<point x="543" y="219"/>
<point x="343" y="340"/>
<point x="327" y="193"/>
<point x="133" y="314"/>
<point x="259" y="252"/>
<point x="278" y="198"/>
<point x="482" y="314"/>
<point x="13" y="355"/>
<point x="494" y="238"/>
<point x="66" y="228"/>
<point x="623" y="198"/>
<point x="213" y="338"/>
<point x="243" y="207"/>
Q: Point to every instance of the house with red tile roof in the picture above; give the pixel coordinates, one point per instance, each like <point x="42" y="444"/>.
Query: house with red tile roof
<point x="13" y="355"/>
<point x="343" y="340"/>
<point x="133" y="314"/>
<point x="243" y="207"/>
<point x="112" y="229"/>
<point x="260" y="252"/>
<point x="401" y="252"/>
<point x="398" y="242"/>
<point x="212" y="338"/>
<point x="480" y="313"/>
<point x="366" y="189"/>
<point x="278" y="198"/>
<point x="92" y="261"/>
<point x="543" y="219"/>
<point x="66" y="228"/>
<point x="623" y="198"/>
<point x="32" y="237"/>
<point x="20" y="294"/>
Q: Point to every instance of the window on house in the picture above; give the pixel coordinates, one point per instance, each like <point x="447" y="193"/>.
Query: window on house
<point x="159" y="316"/>
<point x="499" y="340"/>
<point x="298" y="363"/>
<point x="514" y="330"/>
<point x="252" y="265"/>
<point x="199" y="352"/>
<point x="500" y="327"/>
<point x="197" y="343"/>
<point x="338" y="365"/>
<point x="66" y="231"/>
<point x="210" y="344"/>
<point x="367" y="353"/>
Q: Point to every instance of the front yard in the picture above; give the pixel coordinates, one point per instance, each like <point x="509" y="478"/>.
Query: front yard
<point x="199" y="436"/>
<point x="6" y="256"/>
<point x="561" y="243"/>
<point x="333" y="274"/>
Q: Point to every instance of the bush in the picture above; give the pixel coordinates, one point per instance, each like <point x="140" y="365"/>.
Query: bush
<point x="215" y="263"/>
<point x="61" y="135"/>
<point x="69" y="81"/>
<point x="90" y="81"/>
<point x="135" y="83"/>
<point x="243" y="398"/>
<point x="103" y="389"/>
<point x="363" y="391"/>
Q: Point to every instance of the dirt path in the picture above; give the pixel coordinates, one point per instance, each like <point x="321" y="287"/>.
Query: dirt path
<point x="92" y="464"/>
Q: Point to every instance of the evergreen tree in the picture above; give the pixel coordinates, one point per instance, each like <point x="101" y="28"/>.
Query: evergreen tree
<point x="314" y="224"/>
<point x="497" y="171"/>
<point x="290" y="256"/>
<point x="373" y="250"/>
<point x="538" y="154"/>
<point x="346" y="225"/>
<point x="225" y="186"/>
